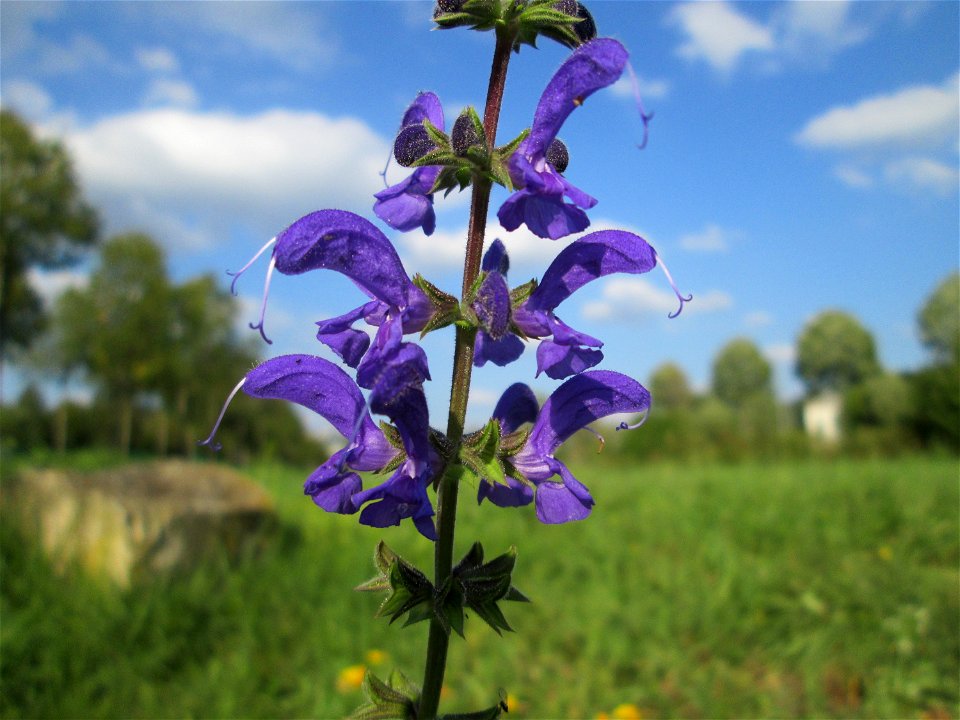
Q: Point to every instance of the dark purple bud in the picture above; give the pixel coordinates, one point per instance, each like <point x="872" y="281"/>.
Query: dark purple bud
<point x="567" y="7"/>
<point x="464" y="134"/>
<point x="425" y="106"/>
<point x="495" y="258"/>
<point x="517" y="405"/>
<point x="586" y="29"/>
<point x="492" y="305"/>
<point x="411" y="144"/>
<point x="448" y="6"/>
<point x="558" y="156"/>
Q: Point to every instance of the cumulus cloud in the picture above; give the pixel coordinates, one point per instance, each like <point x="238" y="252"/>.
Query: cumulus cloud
<point x="176" y="93"/>
<point x="793" y="33"/>
<point x="920" y="114"/>
<point x="853" y="176"/>
<point x="717" y="33"/>
<point x="157" y="59"/>
<point x="780" y="353"/>
<point x="27" y="98"/>
<point x="922" y="173"/>
<point x="51" y="284"/>
<point x="626" y="298"/>
<point x="712" y="238"/>
<point x="221" y="170"/>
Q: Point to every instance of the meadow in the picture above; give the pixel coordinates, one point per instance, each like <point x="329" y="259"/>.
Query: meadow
<point x="809" y="589"/>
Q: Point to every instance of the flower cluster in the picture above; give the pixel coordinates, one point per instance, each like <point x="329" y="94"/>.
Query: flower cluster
<point x="513" y="459"/>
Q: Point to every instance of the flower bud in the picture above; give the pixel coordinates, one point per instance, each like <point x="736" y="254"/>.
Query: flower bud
<point x="558" y="156"/>
<point x="411" y="144"/>
<point x="464" y="134"/>
<point x="586" y="28"/>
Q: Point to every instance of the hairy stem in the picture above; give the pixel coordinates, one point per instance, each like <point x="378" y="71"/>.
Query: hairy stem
<point x="460" y="389"/>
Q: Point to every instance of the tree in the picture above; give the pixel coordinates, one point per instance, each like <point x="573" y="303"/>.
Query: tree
<point x="835" y="352"/>
<point x="939" y="321"/>
<point x="740" y="372"/>
<point x="670" y="388"/>
<point x="44" y="223"/>
<point x="118" y="329"/>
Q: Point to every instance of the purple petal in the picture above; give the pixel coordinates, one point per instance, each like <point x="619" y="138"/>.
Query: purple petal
<point x="513" y="494"/>
<point x="588" y="258"/>
<point x="559" y="361"/>
<point x="580" y="401"/>
<point x="332" y="486"/>
<point x="500" y="352"/>
<point x="402" y="496"/>
<point x="426" y="106"/>
<point x="547" y="216"/>
<point x="591" y="66"/>
<point x="349" y="244"/>
<point x="562" y="502"/>
<point x="517" y="405"/>
<point x="313" y="382"/>
<point x="409" y="204"/>
<point x="339" y="335"/>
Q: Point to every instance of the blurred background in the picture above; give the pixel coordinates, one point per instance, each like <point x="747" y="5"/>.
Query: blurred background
<point x="779" y="539"/>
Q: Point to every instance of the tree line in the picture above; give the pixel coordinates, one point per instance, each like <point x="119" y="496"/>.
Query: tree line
<point x="880" y="412"/>
<point x="160" y="356"/>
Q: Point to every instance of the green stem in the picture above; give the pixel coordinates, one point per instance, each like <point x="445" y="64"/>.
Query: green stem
<point x="438" y="639"/>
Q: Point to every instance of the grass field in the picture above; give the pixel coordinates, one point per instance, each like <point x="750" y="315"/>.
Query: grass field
<point x="811" y="589"/>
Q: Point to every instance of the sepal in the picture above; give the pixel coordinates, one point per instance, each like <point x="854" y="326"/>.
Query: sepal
<point x="396" y="699"/>
<point x="483" y="585"/>
<point x="490" y="713"/>
<point x="446" y="308"/>
<point x="408" y="587"/>
<point x="480" y="453"/>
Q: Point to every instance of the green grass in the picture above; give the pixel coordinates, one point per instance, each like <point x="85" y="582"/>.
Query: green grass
<point x="805" y="590"/>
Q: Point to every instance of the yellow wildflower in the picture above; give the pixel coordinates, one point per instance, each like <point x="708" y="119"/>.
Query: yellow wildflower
<point x="376" y="657"/>
<point x="627" y="711"/>
<point x="351" y="678"/>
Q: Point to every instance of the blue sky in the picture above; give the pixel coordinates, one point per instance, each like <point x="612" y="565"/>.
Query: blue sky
<point x="803" y="156"/>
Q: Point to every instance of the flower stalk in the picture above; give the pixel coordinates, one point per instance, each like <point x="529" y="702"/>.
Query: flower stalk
<point x="447" y="492"/>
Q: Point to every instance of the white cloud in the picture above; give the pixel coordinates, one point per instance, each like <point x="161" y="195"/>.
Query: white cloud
<point x="291" y="33"/>
<point x="813" y="31"/>
<point x="80" y="54"/>
<point x="711" y="239"/>
<point x="29" y="99"/>
<point x="758" y="318"/>
<point x="649" y="88"/>
<point x="853" y="176"/>
<point x="150" y="167"/>
<point x="920" y="114"/>
<point x="628" y="298"/>
<point x="176" y="93"/>
<point x="51" y="284"/>
<point x="923" y="174"/>
<point x="782" y="353"/>
<point x="719" y="34"/>
<point x="157" y="59"/>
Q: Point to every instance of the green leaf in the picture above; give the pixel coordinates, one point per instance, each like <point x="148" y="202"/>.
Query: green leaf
<point x="490" y="713"/>
<point x="393" y="700"/>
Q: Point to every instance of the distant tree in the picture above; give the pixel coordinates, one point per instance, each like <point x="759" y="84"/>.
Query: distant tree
<point x="939" y="321"/>
<point x="44" y="223"/>
<point x="670" y="388"/>
<point x="739" y="372"/>
<point x="835" y="352"/>
<point x="117" y="331"/>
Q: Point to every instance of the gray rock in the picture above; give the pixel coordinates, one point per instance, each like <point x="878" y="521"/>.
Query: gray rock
<point x="142" y="519"/>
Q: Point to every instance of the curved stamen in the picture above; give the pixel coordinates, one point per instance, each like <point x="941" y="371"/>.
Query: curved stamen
<point x="236" y="275"/>
<point x="676" y="290"/>
<point x="263" y="305"/>
<point x="223" y="411"/>
<point x="643" y="418"/>
<point x="645" y="117"/>
<point x="598" y="436"/>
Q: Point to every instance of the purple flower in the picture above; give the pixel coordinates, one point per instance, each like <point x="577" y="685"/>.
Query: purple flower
<point x="409" y="203"/>
<point x="492" y="307"/>
<point x="563" y="350"/>
<point x="335" y="486"/>
<point x="347" y="243"/>
<point x="575" y="404"/>
<point x="539" y="203"/>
